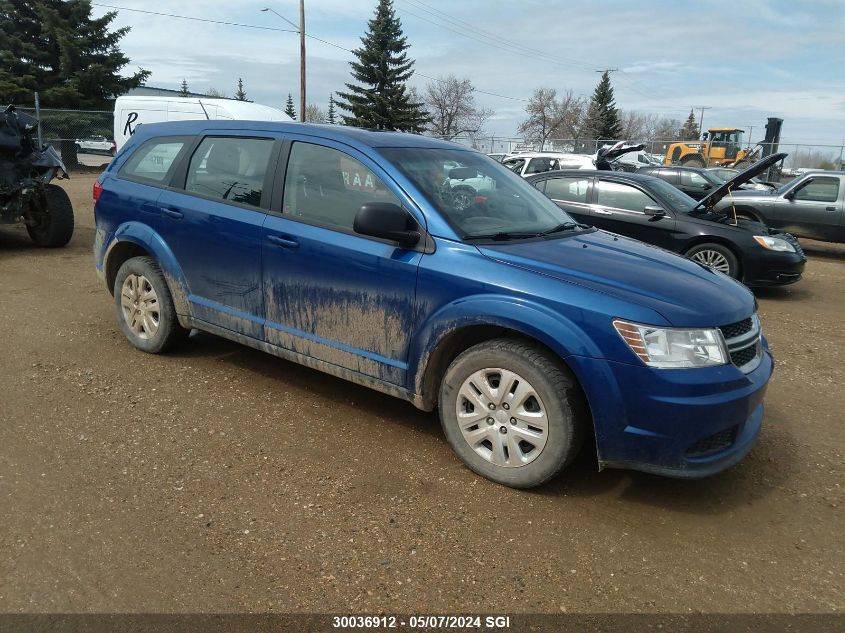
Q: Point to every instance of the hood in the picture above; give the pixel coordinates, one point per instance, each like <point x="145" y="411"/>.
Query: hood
<point x="683" y="292"/>
<point x="740" y="179"/>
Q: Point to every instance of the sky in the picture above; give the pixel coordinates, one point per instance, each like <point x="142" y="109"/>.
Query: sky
<point x="745" y="60"/>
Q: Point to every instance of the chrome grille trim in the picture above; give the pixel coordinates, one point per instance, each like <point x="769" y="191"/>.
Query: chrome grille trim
<point x="738" y="344"/>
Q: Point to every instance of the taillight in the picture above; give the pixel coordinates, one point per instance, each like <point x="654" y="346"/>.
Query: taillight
<point x="98" y="189"/>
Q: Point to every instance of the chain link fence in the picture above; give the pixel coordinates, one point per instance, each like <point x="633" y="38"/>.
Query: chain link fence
<point x="80" y="136"/>
<point x="800" y="155"/>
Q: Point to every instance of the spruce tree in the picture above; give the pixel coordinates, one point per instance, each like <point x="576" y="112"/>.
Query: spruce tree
<point x="59" y="50"/>
<point x="331" y="117"/>
<point x="381" y="99"/>
<point x="240" y="94"/>
<point x="690" y="131"/>
<point x="289" y="109"/>
<point x="602" y="115"/>
<point x="183" y="91"/>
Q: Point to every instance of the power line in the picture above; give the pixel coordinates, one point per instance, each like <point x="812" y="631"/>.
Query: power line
<point x="269" y="28"/>
<point x="196" y="19"/>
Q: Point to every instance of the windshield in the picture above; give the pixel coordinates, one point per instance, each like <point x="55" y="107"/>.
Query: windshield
<point x="477" y="195"/>
<point x="671" y="194"/>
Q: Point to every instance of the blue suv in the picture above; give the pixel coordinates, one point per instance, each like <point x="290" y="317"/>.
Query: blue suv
<point x="432" y="273"/>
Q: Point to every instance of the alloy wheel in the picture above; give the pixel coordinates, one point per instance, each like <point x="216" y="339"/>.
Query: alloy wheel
<point x="713" y="259"/>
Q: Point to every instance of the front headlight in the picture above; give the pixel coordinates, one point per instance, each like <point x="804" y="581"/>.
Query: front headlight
<point x="674" y="347"/>
<point x="774" y="243"/>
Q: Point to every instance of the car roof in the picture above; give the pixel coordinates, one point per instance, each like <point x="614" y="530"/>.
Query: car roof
<point x="589" y="173"/>
<point x="546" y="154"/>
<point x="341" y="133"/>
<point x="667" y="167"/>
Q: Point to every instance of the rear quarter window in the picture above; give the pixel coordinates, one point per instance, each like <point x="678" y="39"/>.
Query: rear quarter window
<point x="154" y="161"/>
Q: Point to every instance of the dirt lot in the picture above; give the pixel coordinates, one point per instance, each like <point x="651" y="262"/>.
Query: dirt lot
<point x="218" y="478"/>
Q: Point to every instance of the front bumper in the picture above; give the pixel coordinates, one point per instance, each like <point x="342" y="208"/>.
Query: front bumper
<point x="773" y="268"/>
<point x="682" y="423"/>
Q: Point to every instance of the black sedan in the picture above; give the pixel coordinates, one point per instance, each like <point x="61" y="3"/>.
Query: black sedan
<point x="651" y="210"/>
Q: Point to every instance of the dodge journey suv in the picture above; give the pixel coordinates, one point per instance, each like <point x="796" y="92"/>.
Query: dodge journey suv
<point x="348" y="251"/>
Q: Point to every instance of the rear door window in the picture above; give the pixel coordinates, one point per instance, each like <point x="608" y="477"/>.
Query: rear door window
<point x="230" y="168"/>
<point x="154" y="161"/>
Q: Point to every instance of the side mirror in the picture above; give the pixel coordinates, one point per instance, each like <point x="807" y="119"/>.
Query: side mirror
<point x="789" y="195"/>
<point x="387" y="221"/>
<point x="655" y="212"/>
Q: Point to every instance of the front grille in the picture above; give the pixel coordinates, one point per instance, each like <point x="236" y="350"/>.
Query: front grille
<point x="736" y="329"/>
<point x="744" y="356"/>
<point x="713" y="443"/>
<point x="743" y="341"/>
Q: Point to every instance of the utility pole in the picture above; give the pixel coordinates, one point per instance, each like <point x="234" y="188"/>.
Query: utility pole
<point x="301" y="29"/>
<point x="701" y="117"/>
<point x="302" y="61"/>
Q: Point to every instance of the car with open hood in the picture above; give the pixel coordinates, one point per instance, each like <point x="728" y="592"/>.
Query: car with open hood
<point x="811" y="205"/>
<point x="345" y="250"/>
<point x="649" y="209"/>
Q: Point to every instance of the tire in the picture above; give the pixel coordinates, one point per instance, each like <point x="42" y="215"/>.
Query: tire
<point x="547" y="410"/>
<point x="694" y="161"/>
<point x="462" y="198"/>
<point x="55" y="227"/>
<point x="715" y="256"/>
<point x="144" y="307"/>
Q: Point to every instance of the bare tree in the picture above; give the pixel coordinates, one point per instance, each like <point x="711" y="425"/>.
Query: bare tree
<point x="313" y="114"/>
<point x="552" y="118"/>
<point x="451" y="105"/>
<point x="215" y="93"/>
<point x="542" y="111"/>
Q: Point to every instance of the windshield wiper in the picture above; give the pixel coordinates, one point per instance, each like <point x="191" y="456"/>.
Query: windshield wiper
<point x="501" y="236"/>
<point x="560" y="228"/>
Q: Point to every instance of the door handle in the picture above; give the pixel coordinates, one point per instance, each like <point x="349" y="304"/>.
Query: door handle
<point x="283" y="241"/>
<point x="148" y="207"/>
<point x="603" y="211"/>
<point x="171" y="212"/>
<point x="830" y="208"/>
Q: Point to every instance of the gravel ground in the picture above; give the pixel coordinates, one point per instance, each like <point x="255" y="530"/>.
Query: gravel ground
<point x="218" y="478"/>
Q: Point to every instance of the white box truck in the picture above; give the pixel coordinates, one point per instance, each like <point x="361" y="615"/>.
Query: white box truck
<point x="130" y="112"/>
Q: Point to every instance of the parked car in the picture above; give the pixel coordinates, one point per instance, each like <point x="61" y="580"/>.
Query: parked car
<point x="96" y="145"/>
<point x="755" y="184"/>
<point x="632" y="161"/>
<point x="497" y="157"/>
<point x="527" y="163"/>
<point x="336" y="248"/>
<point x="694" y="182"/>
<point x="812" y="206"/>
<point x="651" y="210"/>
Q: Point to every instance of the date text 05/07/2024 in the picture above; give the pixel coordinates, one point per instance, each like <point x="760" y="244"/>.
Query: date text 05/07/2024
<point x="421" y="621"/>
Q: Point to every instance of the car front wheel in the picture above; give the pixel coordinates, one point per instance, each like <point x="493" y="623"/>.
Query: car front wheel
<point x="717" y="257"/>
<point x="512" y="412"/>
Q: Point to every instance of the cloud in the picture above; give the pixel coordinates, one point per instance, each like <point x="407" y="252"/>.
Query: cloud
<point x="752" y="59"/>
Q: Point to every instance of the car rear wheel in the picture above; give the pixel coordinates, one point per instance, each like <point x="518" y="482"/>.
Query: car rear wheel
<point x="54" y="224"/>
<point x="144" y="306"/>
<point x="511" y="412"/>
<point x="717" y="257"/>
